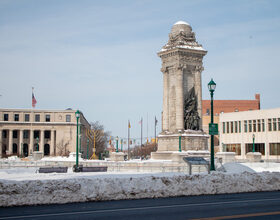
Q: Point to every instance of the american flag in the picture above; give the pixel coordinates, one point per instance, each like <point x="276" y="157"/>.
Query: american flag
<point x="34" y="101"/>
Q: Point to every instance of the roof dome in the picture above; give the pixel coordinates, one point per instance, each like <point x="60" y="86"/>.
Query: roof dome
<point x="182" y="22"/>
<point x="181" y="26"/>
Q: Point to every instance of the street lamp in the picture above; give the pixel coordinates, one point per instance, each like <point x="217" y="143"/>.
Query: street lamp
<point x="117" y="144"/>
<point x="253" y="143"/>
<point x="180" y="140"/>
<point x="76" y="168"/>
<point x="87" y="147"/>
<point x="212" y="87"/>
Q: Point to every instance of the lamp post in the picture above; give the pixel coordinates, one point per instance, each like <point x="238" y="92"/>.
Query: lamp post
<point x="180" y="140"/>
<point x="253" y="143"/>
<point x="76" y="169"/>
<point x="117" y="144"/>
<point x="212" y="87"/>
<point x="87" y="147"/>
<point x="37" y="141"/>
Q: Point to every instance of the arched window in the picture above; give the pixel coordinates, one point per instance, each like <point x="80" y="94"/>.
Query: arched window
<point x="15" y="150"/>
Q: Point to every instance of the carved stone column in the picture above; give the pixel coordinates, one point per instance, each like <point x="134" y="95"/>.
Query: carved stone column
<point x="31" y="141"/>
<point x="42" y="140"/>
<point x="10" y="151"/>
<point x="179" y="98"/>
<point x="198" y="91"/>
<point x="52" y="143"/>
<point x="165" y="113"/>
<point x="20" y="142"/>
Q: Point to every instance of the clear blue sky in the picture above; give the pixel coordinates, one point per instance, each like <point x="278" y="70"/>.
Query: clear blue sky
<point x="101" y="56"/>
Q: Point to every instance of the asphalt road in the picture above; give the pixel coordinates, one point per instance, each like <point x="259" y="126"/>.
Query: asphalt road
<point x="262" y="205"/>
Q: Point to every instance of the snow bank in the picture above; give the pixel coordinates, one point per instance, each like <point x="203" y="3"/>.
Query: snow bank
<point x="89" y="187"/>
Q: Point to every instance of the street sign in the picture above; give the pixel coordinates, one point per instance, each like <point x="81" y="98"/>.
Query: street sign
<point x="213" y="129"/>
<point x="196" y="160"/>
<point x="191" y="161"/>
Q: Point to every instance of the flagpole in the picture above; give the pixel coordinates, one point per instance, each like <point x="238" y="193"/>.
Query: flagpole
<point x="147" y="128"/>
<point x="141" y="134"/>
<point x="128" y="141"/>
<point x="155" y="130"/>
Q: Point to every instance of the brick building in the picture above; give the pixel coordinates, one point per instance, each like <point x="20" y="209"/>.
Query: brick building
<point x="226" y="106"/>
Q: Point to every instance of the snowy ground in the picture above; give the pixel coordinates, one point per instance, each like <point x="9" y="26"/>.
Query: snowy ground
<point x="23" y="186"/>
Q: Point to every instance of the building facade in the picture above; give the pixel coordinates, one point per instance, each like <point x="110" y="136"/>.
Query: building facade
<point x="239" y="130"/>
<point x="225" y="106"/>
<point x="53" y="132"/>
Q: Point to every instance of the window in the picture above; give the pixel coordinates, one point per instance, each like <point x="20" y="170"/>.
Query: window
<point x="15" y="148"/>
<point x="239" y="126"/>
<point x="25" y="134"/>
<point x="274" y="148"/>
<point x="250" y="125"/>
<point x="68" y="118"/>
<point x="245" y="126"/>
<point x="207" y="111"/>
<point x="236" y="110"/>
<point x="274" y="124"/>
<point x="233" y="148"/>
<point x="6" y="117"/>
<point x="227" y="127"/>
<point x="16" y="117"/>
<point x="48" y="118"/>
<point x="37" y="117"/>
<point x="259" y="147"/>
<point x="259" y="125"/>
<point x="235" y="127"/>
<point x="254" y="126"/>
<point x="269" y="125"/>
<point x="4" y="134"/>
<point x="47" y="134"/>
<point x="36" y="134"/>
<point x="263" y="125"/>
<point x="15" y="134"/>
<point x="26" y="117"/>
<point x="224" y="127"/>
<point x="278" y="124"/>
<point x="231" y="127"/>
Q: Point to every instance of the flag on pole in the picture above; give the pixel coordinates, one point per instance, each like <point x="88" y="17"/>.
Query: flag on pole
<point x="156" y="121"/>
<point x="140" y="122"/>
<point x="129" y="124"/>
<point x="34" y="101"/>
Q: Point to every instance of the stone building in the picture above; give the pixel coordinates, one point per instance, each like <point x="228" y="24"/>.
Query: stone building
<point x="182" y="99"/>
<point x="238" y="131"/>
<point x="53" y="132"/>
<point x="226" y="106"/>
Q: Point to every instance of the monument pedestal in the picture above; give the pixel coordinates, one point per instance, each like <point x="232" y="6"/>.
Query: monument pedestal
<point x="227" y="157"/>
<point x="37" y="155"/>
<point x="117" y="156"/>
<point x="254" y="156"/>
<point x="178" y="156"/>
<point x="73" y="155"/>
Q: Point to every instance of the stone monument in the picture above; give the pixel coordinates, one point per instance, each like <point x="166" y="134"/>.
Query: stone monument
<point x="182" y="99"/>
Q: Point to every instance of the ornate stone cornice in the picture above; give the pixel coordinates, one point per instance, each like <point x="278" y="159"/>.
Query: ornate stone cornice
<point x="198" y="68"/>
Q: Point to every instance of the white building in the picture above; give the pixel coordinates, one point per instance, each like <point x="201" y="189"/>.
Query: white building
<point x="238" y="129"/>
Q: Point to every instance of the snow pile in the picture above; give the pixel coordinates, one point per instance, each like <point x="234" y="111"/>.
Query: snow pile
<point x="58" y="188"/>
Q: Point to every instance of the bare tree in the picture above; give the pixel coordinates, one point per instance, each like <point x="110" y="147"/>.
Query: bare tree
<point x="145" y="151"/>
<point x="101" y="137"/>
<point x="62" y="148"/>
